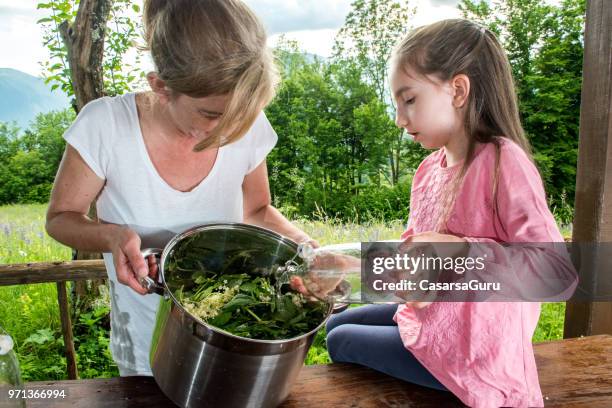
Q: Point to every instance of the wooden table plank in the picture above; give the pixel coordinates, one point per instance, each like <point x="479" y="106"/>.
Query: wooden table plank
<point x="348" y="385"/>
<point x="117" y="392"/>
<point x="575" y="373"/>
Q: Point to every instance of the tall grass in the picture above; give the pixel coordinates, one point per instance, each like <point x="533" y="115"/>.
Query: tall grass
<point x="23" y="236"/>
<point x="329" y="231"/>
<point x="23" y="239"/>
<point x="30" y="312"/>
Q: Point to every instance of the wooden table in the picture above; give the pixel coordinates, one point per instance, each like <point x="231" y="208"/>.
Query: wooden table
<point x="573" y="373"/>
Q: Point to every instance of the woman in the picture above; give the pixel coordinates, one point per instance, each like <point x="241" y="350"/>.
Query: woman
<point x="190" y="151"/>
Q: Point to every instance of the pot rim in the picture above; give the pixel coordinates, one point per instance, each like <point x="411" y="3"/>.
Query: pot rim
<point x="231" y="226"/>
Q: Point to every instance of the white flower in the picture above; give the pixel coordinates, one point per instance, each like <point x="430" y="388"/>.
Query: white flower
<point x="297" y="299"/>
<point x="209" y="307"/>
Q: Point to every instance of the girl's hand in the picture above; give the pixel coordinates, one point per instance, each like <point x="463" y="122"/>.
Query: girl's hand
<point x="130" y="265"/>
<point x="432" y="236"/>
<point x="436" y="245"/>
<point x="418" y="305"/>
<point x="459" y="245"/>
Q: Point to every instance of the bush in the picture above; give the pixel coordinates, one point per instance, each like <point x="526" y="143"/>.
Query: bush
<point x="27" y="178"/>
<point x="380" y="203"/>
<point x="369" y="203"/>
<point x="92" y="339"/>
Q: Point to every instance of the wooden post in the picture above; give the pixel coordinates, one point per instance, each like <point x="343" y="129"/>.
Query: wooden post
<point x="593" y="216"/>
<point x="62" y="297"/>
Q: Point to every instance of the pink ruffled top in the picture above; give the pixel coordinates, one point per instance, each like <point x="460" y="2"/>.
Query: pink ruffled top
<point x="481" y="351"/>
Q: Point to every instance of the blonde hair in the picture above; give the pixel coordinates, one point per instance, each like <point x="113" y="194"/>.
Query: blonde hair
<point x="451" y="47"/>
<point x="213" y="47"/>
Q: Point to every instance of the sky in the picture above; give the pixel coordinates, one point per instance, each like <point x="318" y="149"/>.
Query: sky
<point x="312" y="23"/>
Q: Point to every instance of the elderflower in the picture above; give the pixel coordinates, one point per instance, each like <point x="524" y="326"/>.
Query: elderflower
<point x="209" y="307"/>
<point x="297" y="299"/>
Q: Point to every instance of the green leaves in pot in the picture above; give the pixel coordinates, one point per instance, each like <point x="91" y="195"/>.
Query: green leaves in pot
<point x="238" y="291"/>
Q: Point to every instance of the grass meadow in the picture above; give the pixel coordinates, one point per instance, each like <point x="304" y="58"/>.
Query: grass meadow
<point x="29" y="313"/>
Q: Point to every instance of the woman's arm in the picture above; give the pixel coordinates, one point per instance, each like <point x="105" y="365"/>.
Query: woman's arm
<point x="258" y="209"/>
<point x="75" y="188"/>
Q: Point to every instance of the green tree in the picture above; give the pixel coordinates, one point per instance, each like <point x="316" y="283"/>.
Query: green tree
<point x="303" y="114"/>
<point x="25" y="179"/>
<point x="366" y="124"/>
<point x="521" y="26"/>
<point x="551" y="111"/>
<point x="45" y="136"/>
<point x="121" y="33"/>
<point x="545" y="48"/>
<point x="29" y="161"/>
<point x="332" y="153"/>
<point x="371" y="30"/>
<point x="9" y="133"/>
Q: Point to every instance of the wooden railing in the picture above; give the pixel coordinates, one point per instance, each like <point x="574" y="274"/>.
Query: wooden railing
<point x="60" y="273"/>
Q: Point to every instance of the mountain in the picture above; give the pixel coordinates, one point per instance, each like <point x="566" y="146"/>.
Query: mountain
<point x="22" y="96"/>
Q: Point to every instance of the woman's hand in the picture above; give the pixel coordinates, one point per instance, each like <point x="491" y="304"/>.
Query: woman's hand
<point x="307" y="240"/>
<point x="130" y="265"/>
<point x="326" y="271"/>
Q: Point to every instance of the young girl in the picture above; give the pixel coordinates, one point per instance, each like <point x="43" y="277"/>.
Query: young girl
<point x="190" y="151"/>
<point x="454" y="92"/>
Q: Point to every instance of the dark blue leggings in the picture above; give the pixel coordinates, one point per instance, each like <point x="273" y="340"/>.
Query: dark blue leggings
<point x="368" y="336"/>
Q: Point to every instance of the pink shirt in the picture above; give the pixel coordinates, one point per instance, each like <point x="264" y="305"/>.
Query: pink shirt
<point x="481" y="351"/>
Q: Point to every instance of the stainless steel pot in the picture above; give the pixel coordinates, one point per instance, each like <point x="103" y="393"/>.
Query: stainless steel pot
<point x="197" y="365"/>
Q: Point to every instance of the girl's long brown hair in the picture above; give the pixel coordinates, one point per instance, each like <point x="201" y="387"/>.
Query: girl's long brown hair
<point x="451" y="47"/>
<point x="213" y="47"/>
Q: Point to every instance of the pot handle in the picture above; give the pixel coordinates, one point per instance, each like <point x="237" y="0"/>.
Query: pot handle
<point x="149" y="284"/>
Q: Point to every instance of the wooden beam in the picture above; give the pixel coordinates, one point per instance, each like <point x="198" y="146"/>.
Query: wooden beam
<point x="593" y="216"/>
<point x="44" y="272"/>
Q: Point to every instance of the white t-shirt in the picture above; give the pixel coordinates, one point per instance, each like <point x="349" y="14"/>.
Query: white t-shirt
<point x="107" y="135"/>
